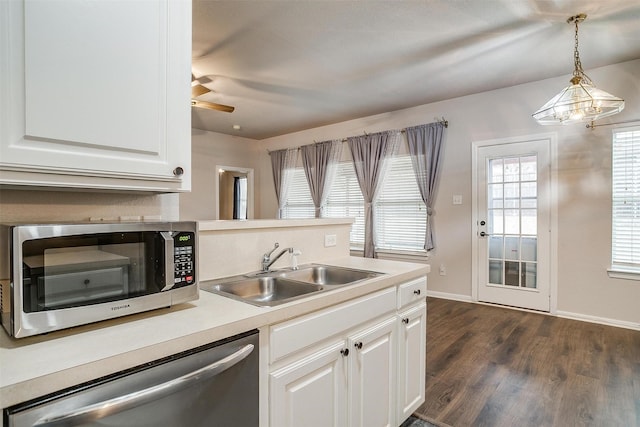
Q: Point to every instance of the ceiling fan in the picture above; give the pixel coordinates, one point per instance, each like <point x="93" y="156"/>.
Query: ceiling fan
<point x="198" y="90"/>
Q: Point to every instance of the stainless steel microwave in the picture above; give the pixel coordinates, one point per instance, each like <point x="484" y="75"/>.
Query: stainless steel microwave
<point x="65" y="275"/>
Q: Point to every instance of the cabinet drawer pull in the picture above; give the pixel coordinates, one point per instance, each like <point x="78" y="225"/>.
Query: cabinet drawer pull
<point x="405" y="320"/>
<point x="417" y="292"/>
<point x="358" y="345"/>
<point x="178" y="171"/>
<point x="344" y="352"/>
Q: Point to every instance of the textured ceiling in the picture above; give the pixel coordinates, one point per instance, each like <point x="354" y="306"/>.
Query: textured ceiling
<point x="293" y="65"/>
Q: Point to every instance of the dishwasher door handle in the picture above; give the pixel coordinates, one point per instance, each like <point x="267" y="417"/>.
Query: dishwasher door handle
<point x="103" y="409"/>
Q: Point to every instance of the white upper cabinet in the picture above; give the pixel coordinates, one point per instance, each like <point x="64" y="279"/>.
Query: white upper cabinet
<point x="96" y="94"/>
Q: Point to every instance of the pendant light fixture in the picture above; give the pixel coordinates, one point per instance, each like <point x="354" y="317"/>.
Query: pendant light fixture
<point x="581" y="101"/>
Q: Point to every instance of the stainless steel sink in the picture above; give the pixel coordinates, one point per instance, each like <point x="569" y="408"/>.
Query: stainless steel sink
<point x="264" y="291"/>
<point x="329" y="275"/>
<point x="282" y="286"/>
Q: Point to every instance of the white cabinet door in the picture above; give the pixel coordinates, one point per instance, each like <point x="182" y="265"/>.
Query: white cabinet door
<point x="372" y="375"/>
<point x="95" y="94"/>
<point x="311" y="391"/>
<point x="412" y="358"/>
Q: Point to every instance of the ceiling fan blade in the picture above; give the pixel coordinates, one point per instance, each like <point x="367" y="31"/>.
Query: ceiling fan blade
<point x="212" y="106"/>
<point x="198" y="89"/>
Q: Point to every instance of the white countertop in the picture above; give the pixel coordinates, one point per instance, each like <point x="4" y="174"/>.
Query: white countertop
<point x="34" y="366"/>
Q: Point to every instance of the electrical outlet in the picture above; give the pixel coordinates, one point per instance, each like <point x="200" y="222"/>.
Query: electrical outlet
<point x="443" y="270"/>
<point x="329" y="240"/>
<point x="457" y="199"/>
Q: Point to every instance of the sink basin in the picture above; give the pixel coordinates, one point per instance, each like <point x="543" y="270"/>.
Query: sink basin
<point x="263" y="291"/>
<point x="282" y="286"/>
<point x="328" y="275"/>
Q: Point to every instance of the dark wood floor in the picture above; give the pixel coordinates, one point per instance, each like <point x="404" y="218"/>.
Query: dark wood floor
<point x="492" y="366"/>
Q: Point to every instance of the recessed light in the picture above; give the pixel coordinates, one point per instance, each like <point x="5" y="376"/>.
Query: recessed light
<point x="236" y="127"/>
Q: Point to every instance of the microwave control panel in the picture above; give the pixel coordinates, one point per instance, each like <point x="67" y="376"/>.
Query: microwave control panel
<point x="184" y="259"/>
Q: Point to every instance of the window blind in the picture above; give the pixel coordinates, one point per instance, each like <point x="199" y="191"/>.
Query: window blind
<point x="625" y="179"/>
<point x="400" y="214"/>
<point x="299" y="202"/>
<point x="345" y="200"/>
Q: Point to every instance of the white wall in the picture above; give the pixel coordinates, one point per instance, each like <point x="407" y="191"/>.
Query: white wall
<point x="209" y="149"/>
<point x="584" y="171"/>
<point x="32" y="206"/>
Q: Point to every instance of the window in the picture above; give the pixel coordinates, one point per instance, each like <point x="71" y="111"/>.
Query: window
<point x="625" y="178"/>
<point x="345" y="199"/>
<point x="299" y="202"/>
<point x="400" y="213"/>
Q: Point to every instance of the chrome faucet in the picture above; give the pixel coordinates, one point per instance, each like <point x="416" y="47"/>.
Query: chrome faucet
<point x="266" y="258"/>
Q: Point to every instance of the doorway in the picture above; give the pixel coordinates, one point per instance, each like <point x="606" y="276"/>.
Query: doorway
<point x="234" y="193"/>
<point x="514" y="209"/>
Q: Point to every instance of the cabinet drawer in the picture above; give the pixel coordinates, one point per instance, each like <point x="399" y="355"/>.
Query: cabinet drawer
<point x="296" y="334"/>
<point x="414" y="290"/>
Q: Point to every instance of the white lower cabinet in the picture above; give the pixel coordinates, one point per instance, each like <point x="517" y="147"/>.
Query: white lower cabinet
<point x="369" y="373"/>
<point x="311" y="391"/>
<point x="349" y="382"/>
<point x="372" y="375"/>
<point x="411" y="357"/>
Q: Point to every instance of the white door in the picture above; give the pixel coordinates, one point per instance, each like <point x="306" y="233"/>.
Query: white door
<point x="513" y="223"/>
<point x="372" y="375"/>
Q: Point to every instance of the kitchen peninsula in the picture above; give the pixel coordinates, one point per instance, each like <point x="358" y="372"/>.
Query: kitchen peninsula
<point x="36" y="366"/>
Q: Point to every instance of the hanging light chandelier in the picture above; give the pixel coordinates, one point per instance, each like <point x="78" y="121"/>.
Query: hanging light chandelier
<point x="581" y="101"/>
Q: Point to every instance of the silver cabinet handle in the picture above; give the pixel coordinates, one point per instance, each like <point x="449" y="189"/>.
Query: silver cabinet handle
<point x="103" y="409"/>
<point x="169" y="256"/>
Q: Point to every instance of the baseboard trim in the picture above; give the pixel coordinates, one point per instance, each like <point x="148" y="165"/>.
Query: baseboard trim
<point x="446" y="295"/>
<point x="600" y="320"/>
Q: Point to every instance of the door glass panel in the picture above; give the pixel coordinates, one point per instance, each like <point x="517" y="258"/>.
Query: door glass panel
<point x="512" y="221"/>
<point x="528" y="190"/>
<point x="511" y="245"/>
<point x="529" y="222"/>
<point x="512" y="191"/>
<point x="529" y="249"/>
<point x="495" y="272"/>
<point x="529" y="274"/>
<point x="495" y="196"/>
<point x="512" y="169"/>
<point x="528" y="168"/>
<point x="496" y="221"/>
<point x="495" y="247"/>
<point x="512" y="273"/>
<point x="495" y="170"/>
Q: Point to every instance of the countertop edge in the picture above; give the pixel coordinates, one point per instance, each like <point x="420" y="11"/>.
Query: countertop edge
<point x="215" y="225"/>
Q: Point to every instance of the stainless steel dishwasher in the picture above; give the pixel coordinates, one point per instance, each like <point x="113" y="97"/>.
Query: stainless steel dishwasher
<point x="212" y="385"/>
